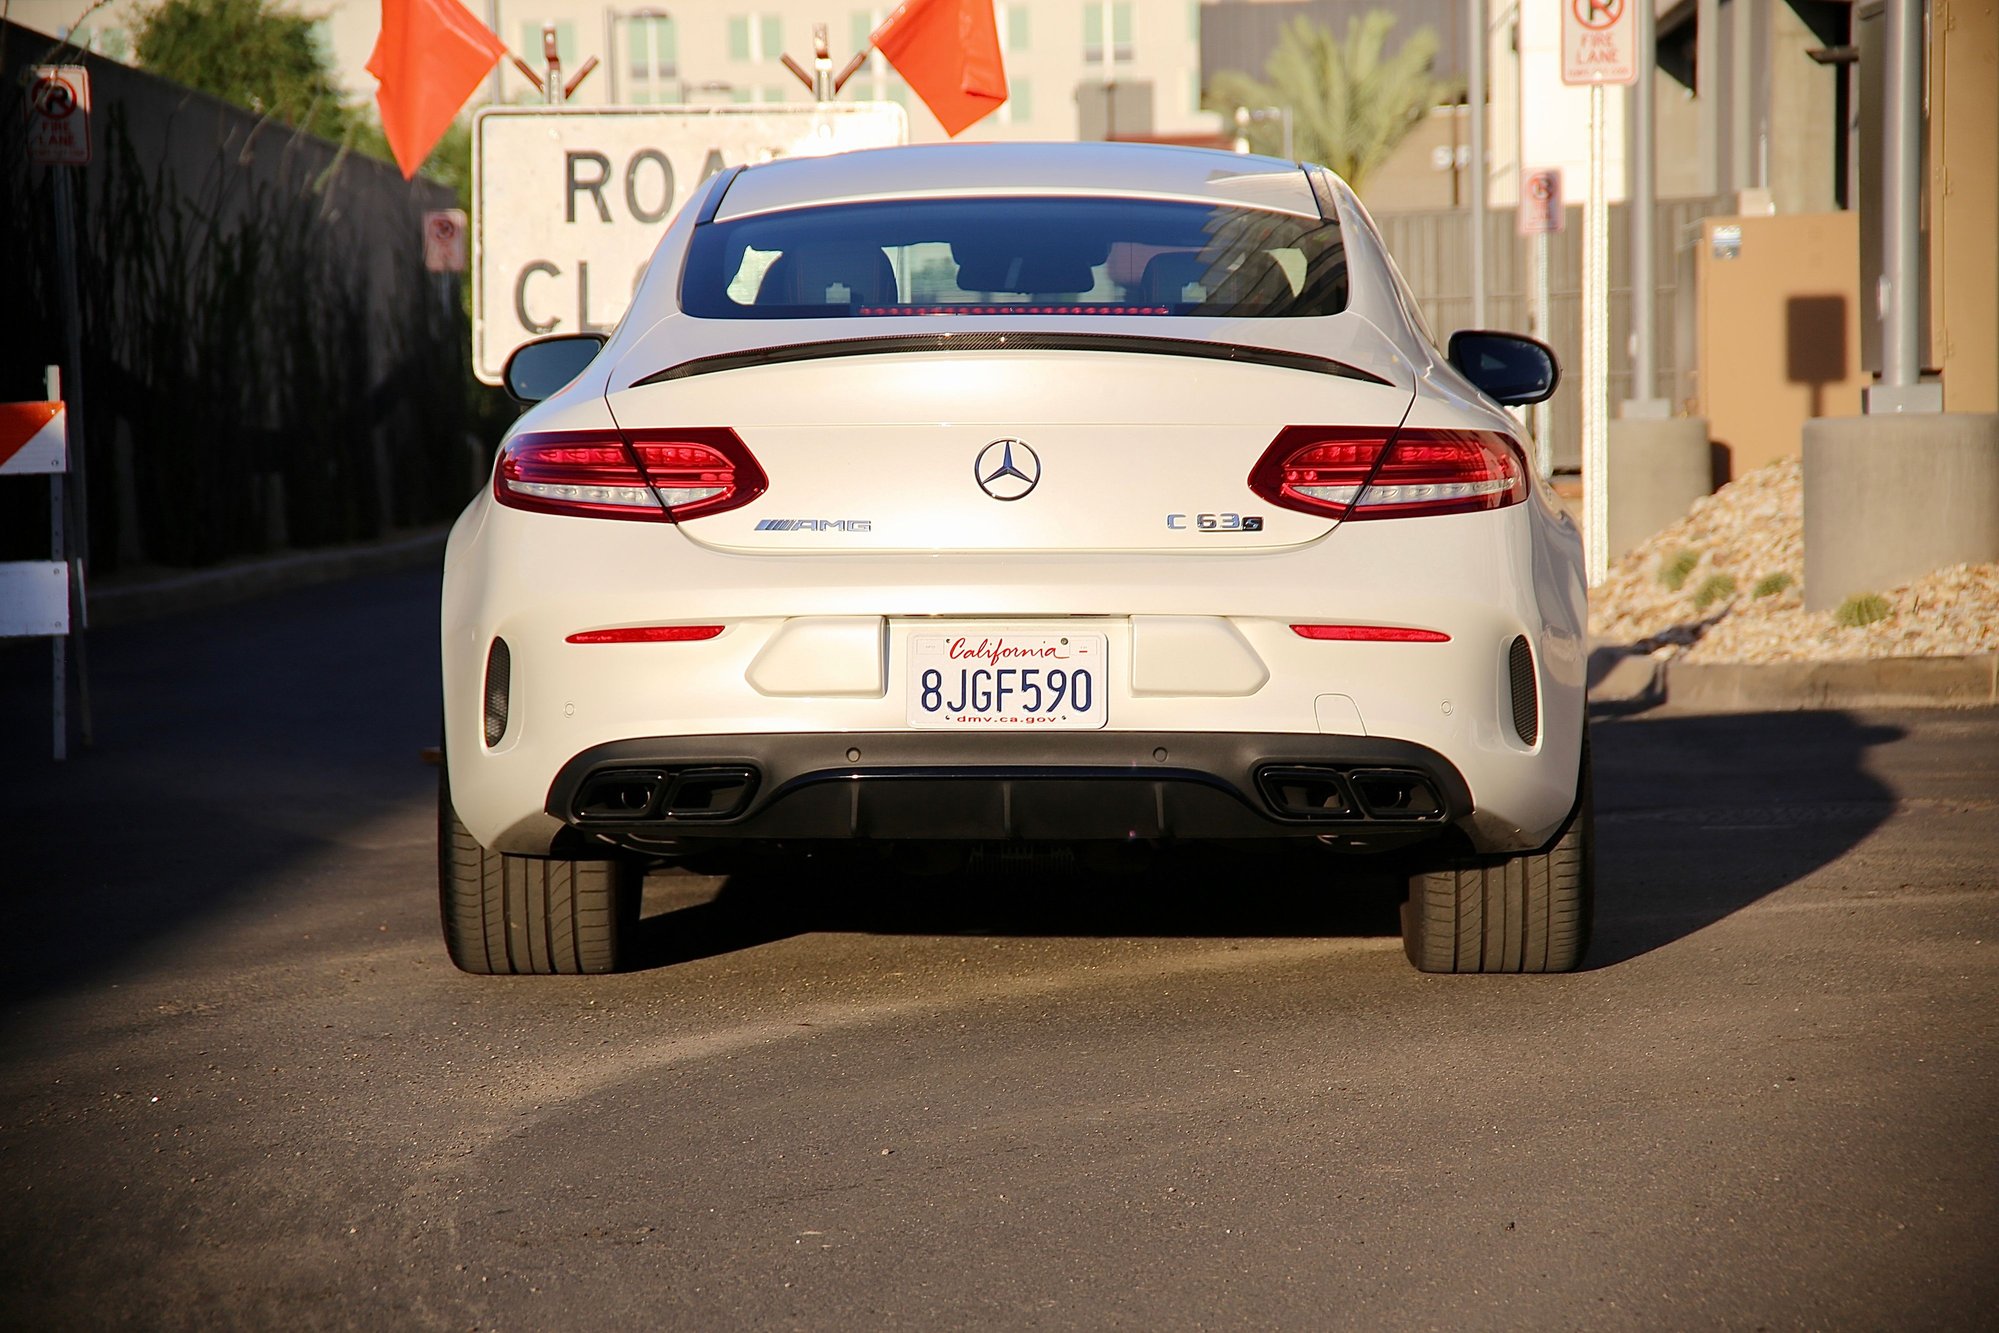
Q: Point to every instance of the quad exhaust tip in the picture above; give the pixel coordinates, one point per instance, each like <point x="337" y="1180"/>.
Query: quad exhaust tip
<point x="633" y="796"/>
<point x="1304" y="791"/>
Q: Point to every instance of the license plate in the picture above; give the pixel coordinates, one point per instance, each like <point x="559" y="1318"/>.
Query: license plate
<point x="1005" y="681"/>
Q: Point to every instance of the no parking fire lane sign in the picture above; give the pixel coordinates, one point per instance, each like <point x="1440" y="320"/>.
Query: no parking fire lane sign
<point x="59" y="116"/>
<point x="1600" y="41"/>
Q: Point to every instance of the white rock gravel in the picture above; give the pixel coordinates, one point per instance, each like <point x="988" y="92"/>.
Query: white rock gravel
<point x="1752" y="530"/>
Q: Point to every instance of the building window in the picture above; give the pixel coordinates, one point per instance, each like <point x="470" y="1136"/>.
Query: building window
<point x="864" y="23"/>
<point x="1093" y="32"/>
<point x="1019" y="105"/>
<point x="756" y="37"/>
<point x="1013" y="25"/>
<point x="652" y="59"/>
<point x="565" y="46"/>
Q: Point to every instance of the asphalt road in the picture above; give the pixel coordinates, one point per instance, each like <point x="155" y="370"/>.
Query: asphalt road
<point x="241" y="1085"/>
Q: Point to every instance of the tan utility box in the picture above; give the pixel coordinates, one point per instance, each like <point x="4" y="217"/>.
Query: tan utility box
<point x="1777" y="331"/>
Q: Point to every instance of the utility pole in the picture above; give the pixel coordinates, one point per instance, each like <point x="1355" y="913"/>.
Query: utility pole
<point x="1475" y="171"/>
<point x="1644" y="401"/>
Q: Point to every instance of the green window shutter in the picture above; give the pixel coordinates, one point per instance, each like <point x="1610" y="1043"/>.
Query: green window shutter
<point x="1016" y="27"/>
<point x="1093" y="27"/>
<point x="739" y="37"/>
<point x="773" y="37"/>
<point x="862" y="27"/>
<point x="638" y="49"/>
<point x="1121" y="28"/>
<point x="1020" y="96"/>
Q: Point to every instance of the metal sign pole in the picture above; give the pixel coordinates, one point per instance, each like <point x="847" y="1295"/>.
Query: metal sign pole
<point x="59" y="552"/>
<point x="1475" y="173"/>
<point x="1644" y="400"/>
<point x="1596" y="351"/>
<point x="77" y="494"/>
<point x="1544" y="444"/>
<point x="1598" y="41"/>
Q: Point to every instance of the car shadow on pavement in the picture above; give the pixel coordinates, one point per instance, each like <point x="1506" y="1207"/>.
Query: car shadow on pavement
<point x="1176" y="892"/>
<point x="1697" y="818"/>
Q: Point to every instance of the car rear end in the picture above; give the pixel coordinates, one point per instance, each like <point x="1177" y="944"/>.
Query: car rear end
<point x="1143" y="546"/>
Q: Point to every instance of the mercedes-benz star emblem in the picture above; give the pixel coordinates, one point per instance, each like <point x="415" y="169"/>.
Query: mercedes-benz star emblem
<point x="1007" y="469"/>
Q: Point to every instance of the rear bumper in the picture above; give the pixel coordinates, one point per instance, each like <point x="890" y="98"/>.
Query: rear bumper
<point x="1367" y="792"/>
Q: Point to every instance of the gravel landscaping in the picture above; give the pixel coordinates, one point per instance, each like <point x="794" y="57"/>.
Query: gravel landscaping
<point x="1726" y="584"/>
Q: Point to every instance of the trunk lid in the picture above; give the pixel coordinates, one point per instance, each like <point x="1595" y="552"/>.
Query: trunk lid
<point x="1060" y="447"/>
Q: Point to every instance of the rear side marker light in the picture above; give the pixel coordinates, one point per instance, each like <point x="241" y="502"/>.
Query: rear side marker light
<point x="1347" y="472"/>
<point x="650" y="476"/>
<point x="1370" y="634"/>
<point x="647" y="634"/>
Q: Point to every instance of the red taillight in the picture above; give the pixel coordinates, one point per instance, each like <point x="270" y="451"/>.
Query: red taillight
<point x="603" y="474"/>
<point x="647" y="634"/>
<point x="1340" y="471"/>
<point x="1370" y="634"/>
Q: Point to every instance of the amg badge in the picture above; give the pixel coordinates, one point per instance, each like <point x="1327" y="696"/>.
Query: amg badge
<point x="815" y="525"/>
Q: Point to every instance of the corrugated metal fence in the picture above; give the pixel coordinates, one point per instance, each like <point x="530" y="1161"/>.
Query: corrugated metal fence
<point x="1434" y="252"/>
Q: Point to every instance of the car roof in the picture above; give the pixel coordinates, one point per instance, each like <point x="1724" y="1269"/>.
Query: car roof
<point x="1157" y="171"/>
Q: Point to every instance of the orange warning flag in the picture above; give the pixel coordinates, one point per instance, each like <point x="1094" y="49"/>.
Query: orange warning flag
<point x="949" y="52"/>
<point x="430" y="57"/>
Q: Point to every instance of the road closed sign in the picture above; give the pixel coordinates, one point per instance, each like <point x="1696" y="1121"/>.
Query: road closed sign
<point x="1600" y="41"/>
<point x="568" y="204"/>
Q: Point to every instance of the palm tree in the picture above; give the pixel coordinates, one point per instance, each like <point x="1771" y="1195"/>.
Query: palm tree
<point x="1351" y="102"/>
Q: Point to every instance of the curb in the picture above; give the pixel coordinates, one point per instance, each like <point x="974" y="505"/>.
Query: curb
<point x="1626" y="682"/>
<point x="142" y="597"/>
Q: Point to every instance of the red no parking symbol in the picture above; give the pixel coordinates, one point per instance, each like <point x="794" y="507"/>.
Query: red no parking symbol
<point x="1597" y="14"/>
<point x="59" y="115"/>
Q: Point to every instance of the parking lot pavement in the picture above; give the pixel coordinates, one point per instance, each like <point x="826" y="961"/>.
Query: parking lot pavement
<point x="240" y="1083"/>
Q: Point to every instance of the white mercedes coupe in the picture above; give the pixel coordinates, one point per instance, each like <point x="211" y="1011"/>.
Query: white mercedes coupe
<point x="1017" y="494"/>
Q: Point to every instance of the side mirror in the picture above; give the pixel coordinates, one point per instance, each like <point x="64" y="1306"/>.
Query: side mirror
<point x="1510" y="368"/>
<point x="538" y="369"/>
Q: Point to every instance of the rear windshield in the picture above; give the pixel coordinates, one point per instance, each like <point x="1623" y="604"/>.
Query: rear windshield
<point x="1016" y="256"/>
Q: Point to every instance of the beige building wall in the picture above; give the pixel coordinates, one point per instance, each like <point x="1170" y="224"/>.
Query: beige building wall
<point x="1778" y="314"/>
<point x="1799" y="142"/>
<point x="1964" y="202"/>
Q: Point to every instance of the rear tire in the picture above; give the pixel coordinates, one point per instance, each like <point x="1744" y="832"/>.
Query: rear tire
<point x="519" y="915"/>
<point x="1525" y="913"/>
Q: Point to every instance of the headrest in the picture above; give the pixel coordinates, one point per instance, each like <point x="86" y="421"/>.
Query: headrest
<point x="815" y="276"/>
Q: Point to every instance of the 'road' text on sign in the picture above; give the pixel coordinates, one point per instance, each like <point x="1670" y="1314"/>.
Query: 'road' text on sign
<point x="568" y="204"/>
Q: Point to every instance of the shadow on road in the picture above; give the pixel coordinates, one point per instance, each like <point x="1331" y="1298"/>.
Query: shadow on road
<point x="1700" y="816"/>
<point x="237" y="747"/>
<point x="1191" y="892"/>
<point x="1697" y="818"/>
<point x="234" y="748"/>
